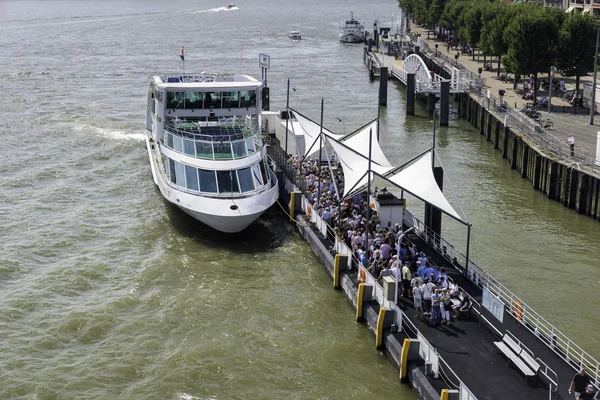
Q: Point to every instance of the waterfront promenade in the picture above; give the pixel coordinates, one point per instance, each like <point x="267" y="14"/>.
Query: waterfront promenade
<point x="565" y="123"/>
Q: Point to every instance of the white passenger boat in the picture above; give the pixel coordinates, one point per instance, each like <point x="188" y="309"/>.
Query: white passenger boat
<point x="295" y="35"/>
<point x="352" y="31"/>
<point x="205" y="148"/>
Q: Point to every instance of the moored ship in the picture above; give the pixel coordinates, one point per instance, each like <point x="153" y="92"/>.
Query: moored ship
<point x="205" y="148"/>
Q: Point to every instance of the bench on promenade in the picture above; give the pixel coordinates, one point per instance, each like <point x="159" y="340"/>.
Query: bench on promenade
<point x="524" y="359"/>
<point x="517" y="355"/>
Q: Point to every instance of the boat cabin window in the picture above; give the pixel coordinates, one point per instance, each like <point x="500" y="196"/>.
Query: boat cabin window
<point x="246" y="182"/>
<point x="213" y="100"/>
<point x="264" y="172"/>
<point x="172" y="171"/>
<point x="222" y="182"/>
<point x="231" y="99"/>
<point x="256" y="175"/>
<point x="210" y="100"/>
<point x="208" y="182"/>
<point x="247" y="98"/>
<point x="175" y="100"/>
<point x="180" y="174"/>
<point x="194" y="100"/>
<point x="191" y="178"/>
<point x="227" y="182"/>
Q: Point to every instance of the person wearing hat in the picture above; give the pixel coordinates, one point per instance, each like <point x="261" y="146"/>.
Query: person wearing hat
<point x="589" y="393"/>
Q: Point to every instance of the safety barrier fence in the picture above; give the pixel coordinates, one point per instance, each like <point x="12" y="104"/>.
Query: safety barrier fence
<point x="545" y="140"/>
<point x="557" y="341"/>
<point x="534" y="131"/>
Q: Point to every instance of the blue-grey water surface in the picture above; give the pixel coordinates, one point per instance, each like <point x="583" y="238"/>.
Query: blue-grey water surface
<point x="107" y="292"/>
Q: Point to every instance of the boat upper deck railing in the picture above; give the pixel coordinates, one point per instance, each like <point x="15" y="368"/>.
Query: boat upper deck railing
<point x="224" y="131"/>
<point x="557" y="341"/>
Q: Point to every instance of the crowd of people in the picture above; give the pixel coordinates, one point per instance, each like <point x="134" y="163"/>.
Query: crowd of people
<point x="387" y="251"/>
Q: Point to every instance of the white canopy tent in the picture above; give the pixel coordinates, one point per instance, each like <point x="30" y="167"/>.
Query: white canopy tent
<point x="311" y="133"/>
<point x="415" y="177"/>
<point x="355" y="166"/>
<point x="358" y="140"/>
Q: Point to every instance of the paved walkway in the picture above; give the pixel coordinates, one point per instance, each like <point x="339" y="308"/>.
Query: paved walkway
<point x="565" y="123"/>
<point x="468" y="348"/>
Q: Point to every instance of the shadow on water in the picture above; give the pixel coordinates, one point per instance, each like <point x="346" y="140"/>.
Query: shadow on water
<point x="267" y="233"/>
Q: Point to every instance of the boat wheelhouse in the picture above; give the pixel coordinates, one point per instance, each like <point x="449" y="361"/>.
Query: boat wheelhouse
<point x="295" y="35"/>
<point x="352" y="30"/>
<point x="205" y="148"/>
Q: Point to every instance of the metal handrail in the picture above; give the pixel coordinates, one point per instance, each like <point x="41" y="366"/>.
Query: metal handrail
<point x="557" y="341"/>
<point x="535" y="132"/>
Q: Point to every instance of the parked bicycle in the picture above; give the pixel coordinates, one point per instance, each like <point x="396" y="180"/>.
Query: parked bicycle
<point x="532" y="113"/>
<point x="546" y="123"/>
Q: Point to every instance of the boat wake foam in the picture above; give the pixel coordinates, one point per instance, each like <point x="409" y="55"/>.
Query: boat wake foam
<point x="212" y="10"/>
<point x="185" y="396"/>
<point x="114" y="134"/>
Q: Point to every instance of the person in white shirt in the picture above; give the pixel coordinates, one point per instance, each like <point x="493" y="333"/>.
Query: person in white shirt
<point x="417" y="301"/>
<point x="571" y="143"/>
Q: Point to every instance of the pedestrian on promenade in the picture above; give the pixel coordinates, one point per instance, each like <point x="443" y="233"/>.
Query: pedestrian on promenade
<point x="571" y="142"/>
<point x="579" y="383"/>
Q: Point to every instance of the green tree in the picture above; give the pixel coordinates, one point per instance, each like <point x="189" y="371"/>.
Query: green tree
<point x="470" y="22"/>
<point x="577" y="44"/>
<point x="451" y="13"/>
<point x="532" y="38"/>
<point x="436" y="8"/>
<point x="494" y="20"/>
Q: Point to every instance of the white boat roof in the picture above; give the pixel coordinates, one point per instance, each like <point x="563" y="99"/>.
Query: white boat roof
<point x="207" y="81"/>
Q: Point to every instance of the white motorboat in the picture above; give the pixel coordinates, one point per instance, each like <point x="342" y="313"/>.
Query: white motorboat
<point x="205" y="148"/>
<point x="352" y="31"/>
<point x="295" y="35"/>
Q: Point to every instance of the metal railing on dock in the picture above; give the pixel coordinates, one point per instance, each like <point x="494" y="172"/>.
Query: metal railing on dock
<point x="557" y="341"/>
<point x="540" y="136"/>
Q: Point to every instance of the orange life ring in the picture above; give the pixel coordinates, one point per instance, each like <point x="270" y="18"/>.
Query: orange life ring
<point x="363" y="275"/>
<point x="518" y="310"/>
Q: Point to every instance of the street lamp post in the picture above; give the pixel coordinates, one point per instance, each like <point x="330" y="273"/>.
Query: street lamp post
<point x="339" y="119"/>
<point x="593" y="105"/>
<point x="436" y="50"/>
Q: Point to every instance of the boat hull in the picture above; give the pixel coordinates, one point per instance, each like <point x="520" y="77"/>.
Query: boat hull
<point x="225" y="214"/>
<point x="351" y="38"/>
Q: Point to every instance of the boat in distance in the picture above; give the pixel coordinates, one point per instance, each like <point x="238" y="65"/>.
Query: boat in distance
<point x="203" y="135"/>
<point x="230" y="6"/>
<point x="352" y="30"/>
<point x="295" y="35"/>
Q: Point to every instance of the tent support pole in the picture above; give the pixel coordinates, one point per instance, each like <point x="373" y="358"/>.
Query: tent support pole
<point x="320" y="151"/>
<point x="287" y="117"/>
<point x="369" y="186"/>
<point x="468" y="248"/>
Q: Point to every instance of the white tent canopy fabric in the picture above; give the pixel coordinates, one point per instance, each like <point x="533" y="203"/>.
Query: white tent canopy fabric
<point x="355" y="167"/>
<point x="416" y="178"/>
<point x="311" y="134"/>
<point x="359" y="142"/>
